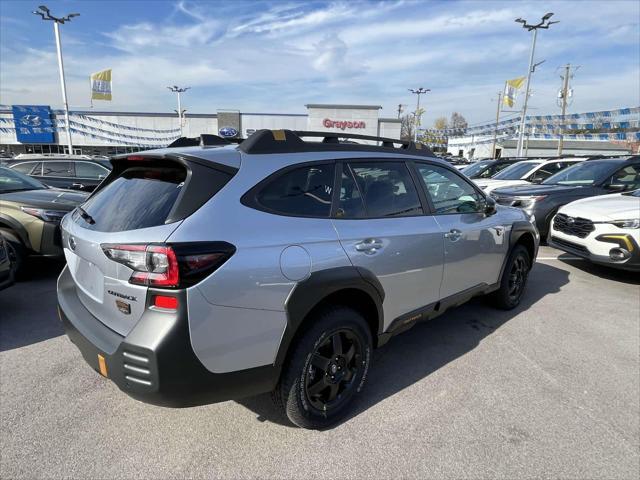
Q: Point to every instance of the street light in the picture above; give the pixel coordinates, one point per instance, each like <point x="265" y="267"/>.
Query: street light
<point x="179" y="90"/>
<point x="418" y="92"/>
<point x="545" y="24"/>
<point x="44" y="13"/>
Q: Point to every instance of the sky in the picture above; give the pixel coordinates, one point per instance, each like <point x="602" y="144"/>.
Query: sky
<point x="277" y="56"/>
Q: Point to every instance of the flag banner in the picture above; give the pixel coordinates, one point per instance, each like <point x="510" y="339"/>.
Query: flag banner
<point x="511" y="87"/>
<point x="101" y="85"/>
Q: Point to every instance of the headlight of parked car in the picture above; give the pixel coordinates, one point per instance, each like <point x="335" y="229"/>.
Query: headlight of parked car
<point x="630" y="223"/>
<point x="527" y="203"/>
<point x="54" y="216"/>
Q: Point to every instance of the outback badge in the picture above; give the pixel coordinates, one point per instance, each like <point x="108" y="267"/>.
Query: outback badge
<point x="124" y="307"/>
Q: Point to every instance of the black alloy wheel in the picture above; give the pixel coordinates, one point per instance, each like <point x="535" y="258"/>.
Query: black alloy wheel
<point x="518" y="278"/>
<point x="333" y="369"/>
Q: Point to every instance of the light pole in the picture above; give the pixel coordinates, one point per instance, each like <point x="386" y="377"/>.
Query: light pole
<point x="418" y="92"/>
<point x="179" y="90"/>
<point x="45" y="14"/>
<point x="544" y="23"/>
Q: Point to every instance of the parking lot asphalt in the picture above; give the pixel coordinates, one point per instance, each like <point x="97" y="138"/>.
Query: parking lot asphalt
<point x="548" y="390"/>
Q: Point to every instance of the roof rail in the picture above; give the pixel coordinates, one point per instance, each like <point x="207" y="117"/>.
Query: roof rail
<point x="290" y="141"/>
<point x="205" y="140"/>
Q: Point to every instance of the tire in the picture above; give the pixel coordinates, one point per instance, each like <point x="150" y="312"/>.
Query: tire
<point x="327" y="368"/>
<point x="17" y="253"/>
<point x="514" y="279"/>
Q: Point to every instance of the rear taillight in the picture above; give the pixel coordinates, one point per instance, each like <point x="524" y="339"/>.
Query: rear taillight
<point x="170" y="266"/>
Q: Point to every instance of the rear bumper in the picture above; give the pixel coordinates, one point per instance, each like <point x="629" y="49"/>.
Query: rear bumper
<point x="632" y="263"/>
<point x="155" y="362"/>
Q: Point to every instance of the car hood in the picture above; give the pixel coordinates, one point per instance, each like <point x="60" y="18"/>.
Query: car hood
<point x="490" y="184"/>
<point x="535" y="190"/>
<point x="604" y="207"/>
<point x="51" y="198"/>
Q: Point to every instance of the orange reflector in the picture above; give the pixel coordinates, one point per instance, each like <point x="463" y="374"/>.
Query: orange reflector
<point x="102" y="364"/>
<point x="163" y="301"/>
<point x="279" y="135"/>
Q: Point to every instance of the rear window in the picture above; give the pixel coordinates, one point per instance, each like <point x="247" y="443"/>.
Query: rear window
<point x="140" y="197"/>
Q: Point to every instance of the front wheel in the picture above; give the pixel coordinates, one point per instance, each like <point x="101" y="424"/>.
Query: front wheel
<point x="514" y="279"/>
<point x="327" y="368"/>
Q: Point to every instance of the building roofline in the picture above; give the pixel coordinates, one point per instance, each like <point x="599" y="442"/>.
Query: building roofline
<point x="389" y="120"/>
<point x="355" y="107"/>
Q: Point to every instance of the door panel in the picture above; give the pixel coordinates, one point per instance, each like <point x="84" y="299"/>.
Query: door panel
<point x="474" y="243"/>
<point x="404" y="252"/>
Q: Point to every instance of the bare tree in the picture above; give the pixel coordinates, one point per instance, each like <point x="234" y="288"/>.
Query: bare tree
<point x="406" y="127"/>
<point x="440" y="123"/>
<point x="457" y="121"/>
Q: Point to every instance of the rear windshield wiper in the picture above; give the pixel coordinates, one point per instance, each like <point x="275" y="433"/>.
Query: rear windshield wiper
<point x="86" y="217"/>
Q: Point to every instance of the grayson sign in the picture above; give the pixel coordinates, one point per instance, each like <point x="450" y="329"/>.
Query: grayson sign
<point x="343" y="124"/>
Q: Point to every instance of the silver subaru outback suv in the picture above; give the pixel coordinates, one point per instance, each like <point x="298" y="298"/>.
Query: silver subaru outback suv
<point x="205" y="273"/>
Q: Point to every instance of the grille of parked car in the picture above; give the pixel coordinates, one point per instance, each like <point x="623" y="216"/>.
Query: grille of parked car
<point x="576" y="226"/>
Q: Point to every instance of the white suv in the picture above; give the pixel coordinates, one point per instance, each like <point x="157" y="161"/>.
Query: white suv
<point x="604" y="230"/>
<point x="525" y="172"/>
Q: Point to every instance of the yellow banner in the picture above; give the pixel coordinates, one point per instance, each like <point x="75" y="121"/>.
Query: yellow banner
<point x="101" y="85"/>
<point x="510" y="89"/>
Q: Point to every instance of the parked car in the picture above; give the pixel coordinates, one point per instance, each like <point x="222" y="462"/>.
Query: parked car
<point x="487" y="168"/>
<point x="7" y="265"/>
<point x="586" y="179"/>
<point x="30" y="214"/>
<point x="526" y="172"/>
<point x="204" y="274"/>
<point x="603" y="230"/>
<point x="75" y="172"/>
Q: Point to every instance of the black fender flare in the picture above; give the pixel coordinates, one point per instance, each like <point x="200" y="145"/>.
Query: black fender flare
<point x="518" y="229"/>
<point x="319" y="285"/>
<point x="18" y="230"/>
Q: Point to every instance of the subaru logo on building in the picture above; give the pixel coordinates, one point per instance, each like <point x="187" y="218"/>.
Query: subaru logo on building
<point x="228" y="132"/>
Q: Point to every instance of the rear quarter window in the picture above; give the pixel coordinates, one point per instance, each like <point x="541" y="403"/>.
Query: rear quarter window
<point x="303" y="191"/>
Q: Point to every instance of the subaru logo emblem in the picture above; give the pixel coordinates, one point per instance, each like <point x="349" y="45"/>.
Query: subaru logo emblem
<point x="228" y="132"/>
<point x="72" y="243"/>
<point x="31" y="120"/>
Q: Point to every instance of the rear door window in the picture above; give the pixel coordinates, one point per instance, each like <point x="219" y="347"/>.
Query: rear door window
<point x="57" y="169"/>
<point x="304" y="191"/>
<point x="386" y="188"/>
<point x="90" y="170"/>
<point x="140" y="197"/>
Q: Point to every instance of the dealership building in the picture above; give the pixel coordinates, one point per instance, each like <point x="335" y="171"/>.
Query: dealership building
<point x="40" y="129"/>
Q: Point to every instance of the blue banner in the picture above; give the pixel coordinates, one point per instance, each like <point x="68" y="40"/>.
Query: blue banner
<point x="33" y="124"/>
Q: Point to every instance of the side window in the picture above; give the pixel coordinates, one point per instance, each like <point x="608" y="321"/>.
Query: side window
<point x="57" y="169"/>
<point x="386" y="188"/>
<point x="449" y="193"/>
<point x="90" y="170"/>
<point x="547" y="170"/>
<point x="628" y="176"/>
<point x="351" y="203"/>
<point x="305" y="191"/>
<point x="28" y="168"/>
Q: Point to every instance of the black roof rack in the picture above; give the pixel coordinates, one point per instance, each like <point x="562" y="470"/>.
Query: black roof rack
<point x="290" y="141"/>
<point x="204" y="140"/>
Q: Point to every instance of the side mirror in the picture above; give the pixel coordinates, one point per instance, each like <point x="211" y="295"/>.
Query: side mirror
<point x="615" y="187"/>
<point x="490" y="207"/>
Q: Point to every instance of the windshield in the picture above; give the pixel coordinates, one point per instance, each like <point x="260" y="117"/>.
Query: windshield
<point x="584" y="173"/>
<point x="516" y="171"/>
<point x="12" y="181"/>
<point x="476" y="168"/>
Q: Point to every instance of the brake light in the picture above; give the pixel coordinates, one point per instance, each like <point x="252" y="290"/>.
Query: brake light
<point x="170" y="266"/>
<point x="135" y="158"/>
